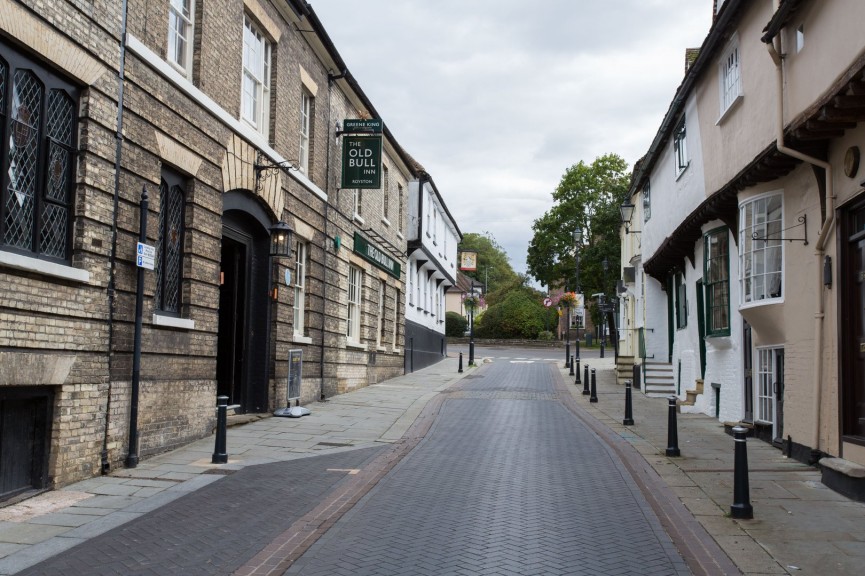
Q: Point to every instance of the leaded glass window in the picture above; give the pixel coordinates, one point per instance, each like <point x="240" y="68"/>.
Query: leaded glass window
<point x="38" y="127"/>
<point x="169" y="246"/>
<point x="716" y="280"/>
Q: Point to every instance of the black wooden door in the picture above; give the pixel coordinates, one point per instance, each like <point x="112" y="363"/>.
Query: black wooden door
<point x="24" y="429"/>
<point x="852" y="319"/>
<point x="230" y="362"/>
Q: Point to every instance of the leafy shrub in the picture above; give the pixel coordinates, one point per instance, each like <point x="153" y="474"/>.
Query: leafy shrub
<point x="545" y="335"/>
<point x="518" y="315"/>
<point x="455" y="325"/>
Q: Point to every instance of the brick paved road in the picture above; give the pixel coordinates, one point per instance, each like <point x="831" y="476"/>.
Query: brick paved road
<point x="507" y="482"/>
<point x="213" y="530"/>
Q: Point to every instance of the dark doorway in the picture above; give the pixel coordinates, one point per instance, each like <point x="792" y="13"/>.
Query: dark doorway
<point x="778" y="436"/>
<point x="244" y="314"/>
<point x="851" y="268"/>
<point x="25" y="418"/>
<point x="748" y="363"/>
<point x="701" y="327"/>
<point x="232" y="318"/>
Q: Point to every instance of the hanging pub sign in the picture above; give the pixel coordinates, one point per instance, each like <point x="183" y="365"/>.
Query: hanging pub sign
<point x="372" y="253"/>
<point x="468" y="260"/>
<point x="371" y="125"/>
<point x="361" y="162"/>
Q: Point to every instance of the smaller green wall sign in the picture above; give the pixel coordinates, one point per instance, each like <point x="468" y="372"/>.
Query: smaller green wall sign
<point x="361" y="162"/>
<point x="372" y="253"/>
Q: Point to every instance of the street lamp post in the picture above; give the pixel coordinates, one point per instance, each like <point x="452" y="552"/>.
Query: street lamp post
<point x="603" y="307"/>
<point x="567" y="330"/>
<point x="578" y="238"/>
<point x="472" y="327"/>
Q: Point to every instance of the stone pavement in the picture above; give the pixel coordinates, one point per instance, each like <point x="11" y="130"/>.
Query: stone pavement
<point x="52" y="524"/>
<point x="799" y="526"/>
<point x="507" y="481"/>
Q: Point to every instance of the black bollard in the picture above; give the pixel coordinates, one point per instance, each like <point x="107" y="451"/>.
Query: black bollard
<point x="741" y="507"/>
<point x="577" y="372"/>
<point x="461" y="363"/>
<point x="594" y="396"/>
<point x="586" y="380"/>
<point x="567" y="353"/>
<point x="577" y="346"/>
<point x="629" y="411"/>
<point x="219" y="454"/>
<point x="572" y="367"/>
<point x="672" y="435"/>
<point x="636" y="375"/>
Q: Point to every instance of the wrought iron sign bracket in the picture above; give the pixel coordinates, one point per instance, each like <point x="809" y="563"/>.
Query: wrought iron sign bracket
<point x="265" y="167"/>
<point x="802" y="221"/>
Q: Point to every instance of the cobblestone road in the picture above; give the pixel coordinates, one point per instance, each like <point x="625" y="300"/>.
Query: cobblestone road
<point x="507" y="482"/>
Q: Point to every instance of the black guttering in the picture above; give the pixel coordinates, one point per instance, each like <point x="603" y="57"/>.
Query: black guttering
<point x="714" y="40"/>
<point x="423" y="174"/>
<point x="415" y="245"/>
<point x="780" y="19"/>
<point x="306" y="11"/>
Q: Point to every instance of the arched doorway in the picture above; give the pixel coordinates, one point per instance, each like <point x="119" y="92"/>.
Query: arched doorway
<point x="244" y="306"/>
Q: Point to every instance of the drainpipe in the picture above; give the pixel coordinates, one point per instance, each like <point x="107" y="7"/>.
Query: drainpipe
<point x="105" y="465"/>
<point x="331" y="79"/>
<point x="774" y="48"/>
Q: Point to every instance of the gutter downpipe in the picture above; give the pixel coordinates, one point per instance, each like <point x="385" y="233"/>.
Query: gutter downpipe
<point x="331" y="81"/>
<point x="774" y="48"/>
<point x="105" y="465"/>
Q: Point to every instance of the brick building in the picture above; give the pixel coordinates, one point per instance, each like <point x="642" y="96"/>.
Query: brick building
<point x="229" y="115"/>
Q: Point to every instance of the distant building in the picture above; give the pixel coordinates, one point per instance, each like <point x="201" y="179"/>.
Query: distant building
<point x="432" y="238"/>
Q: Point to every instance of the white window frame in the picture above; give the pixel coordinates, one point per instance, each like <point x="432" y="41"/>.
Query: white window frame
<point x="355" y="290"/>
<point x="730" y="76"/>
<point x="680" y="147"/>
<point x="181" y="31"/>
<point x="385" y="188"/>
<point x="395" y="317"/>
<point x="764" y="389"/>
<point x="382" y="292"/>
<point x="306" y="100"/>
<point x="428" y="214"/>
<point x="435" y="226"/>
<point x="358" y="204"/>
<point x="401" y="207"/>
<point x="255" y="89"/>
<point x="761" y="262"/>
<point x="410" y="276"/>
<point x="300" y="289"/>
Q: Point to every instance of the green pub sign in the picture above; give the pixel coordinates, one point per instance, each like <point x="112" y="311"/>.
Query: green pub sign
<point x="372" y="125"/>
<point x="374" y="254"/>
<point x="361" y="162"/>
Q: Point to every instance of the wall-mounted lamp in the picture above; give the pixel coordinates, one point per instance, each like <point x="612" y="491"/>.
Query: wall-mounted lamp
<point x="280" y="240"/>
<point x="626" y="210"/>
<point x="827" y="271"/>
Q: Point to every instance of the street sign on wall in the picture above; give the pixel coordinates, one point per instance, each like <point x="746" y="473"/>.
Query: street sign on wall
<point x="361" y="162"/>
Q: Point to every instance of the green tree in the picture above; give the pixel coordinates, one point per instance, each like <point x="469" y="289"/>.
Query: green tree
<point x="494" y="269"/>
<point x="516" y="311"/>
<point x="588" y="196"/>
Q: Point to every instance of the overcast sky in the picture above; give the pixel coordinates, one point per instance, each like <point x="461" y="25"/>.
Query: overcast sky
<point x="497" y="98"/>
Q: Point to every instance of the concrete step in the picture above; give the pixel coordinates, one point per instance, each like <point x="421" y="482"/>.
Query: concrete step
<point x="658" y="380"/>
